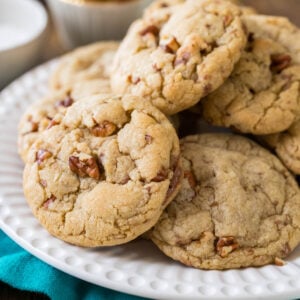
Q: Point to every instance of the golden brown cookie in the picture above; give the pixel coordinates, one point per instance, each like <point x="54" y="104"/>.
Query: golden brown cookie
<point x="176" y="55"/>
<point x="287" y="146"/>
<point x="104" y="174"/>
<point x="238" y="206"/>
<point x="46" y="112"/>
<point x="85" y="63"/>
<point x="262" y="95"/>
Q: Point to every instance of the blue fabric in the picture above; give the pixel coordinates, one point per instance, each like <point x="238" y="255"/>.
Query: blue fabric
<point x="23" y="271"/>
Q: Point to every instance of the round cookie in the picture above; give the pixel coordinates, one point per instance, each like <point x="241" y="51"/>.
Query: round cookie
<point x="46" y="112"/>
<point x="238" y="206"/>
<point x="287" y="146"/>
<point x="279" y="29"/>
<point x="262" y="95"/>
<point x="105" y="174"/>
<point x="174" y="66"/>
<point x="85" y="63"/>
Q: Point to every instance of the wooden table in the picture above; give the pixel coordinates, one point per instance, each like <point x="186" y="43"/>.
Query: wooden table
<point x="289" y="8"/>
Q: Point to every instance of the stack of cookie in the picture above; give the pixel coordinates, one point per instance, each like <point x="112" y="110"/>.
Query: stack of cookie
<point x="104" y="164"/>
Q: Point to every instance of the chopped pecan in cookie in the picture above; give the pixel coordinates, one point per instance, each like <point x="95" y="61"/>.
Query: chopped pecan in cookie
<point x="49" y="201"/>
<point x="68" y="101"/>
<point x="227" y="20"/>
<point x="279" y="262"/>
<point x="191" y="179"/>
<point x="84" y="168"/>
<point x="34" y="125"/>
<point x="148" y="139"/>
<point x="171" y="46"/>
<point x="104" y="129"/>
<point x="175" y="181"/>
<point x="183" y="58"/>
<point x="161" y="176"/>
<point x="280" y="62"/>
<point x="52" y="123"/>
<point x="152" y="29"/>
<point x="43" y="183"/>
<point x="42" y="155"/>
<point x="133" y="79"/>
<point x="226" y="245"/>
<point x="286" y="250"/>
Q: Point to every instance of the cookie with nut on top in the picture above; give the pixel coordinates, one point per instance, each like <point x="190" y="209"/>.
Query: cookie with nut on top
<point x="238" y="206"/>
<point x="262" y="95"/>
<point x="177" y="54"/>
<point x="104" y="174"/>
<point x="46" y="112"/>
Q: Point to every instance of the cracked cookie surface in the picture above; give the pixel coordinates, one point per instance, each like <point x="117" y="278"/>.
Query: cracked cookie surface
<point x="47" y="112"/>
<point x="85" y="63"/>
<point x="287" y="146"/>
<point x="105" y="174"/>
<point x="174" y="66"/>
<point x="262" y="95"/>
<point x="238" y="206"/>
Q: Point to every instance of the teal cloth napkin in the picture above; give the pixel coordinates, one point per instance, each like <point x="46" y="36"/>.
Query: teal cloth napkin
<point x="23" y="271"/>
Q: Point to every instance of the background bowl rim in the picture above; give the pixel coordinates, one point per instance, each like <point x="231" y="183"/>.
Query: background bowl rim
<point x="32" y="36"/>
<point x="81" y="3"/>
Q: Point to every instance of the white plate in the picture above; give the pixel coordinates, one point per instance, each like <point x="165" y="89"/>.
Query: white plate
<point x="137" y="268"/>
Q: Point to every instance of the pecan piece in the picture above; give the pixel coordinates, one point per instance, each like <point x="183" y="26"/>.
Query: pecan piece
<point x="84" y="168"/>
<point x="34" y="125"/>
<point x="152" y="29"/>
<point x="226" y="245"/>
<point x="42" y="155"/>
<point x="207" y="89"/>
<point x="49" y="201"/>
<point x="52" y="123"/>
<point x="279" y="262"/>
<point x="286" y="250"/>
<point x="133" y="79"/>
<point x="68" y="101"/>
<point x="227" y="20"/>
<point x="161" y="176"/>
<point x="280" y="62"/>
<point x="175" y="181"/>
<point x="43" y="183"/>
<point x="182" y="59"/>
<point x="104" y="129"/>
<point x="191" y="179"/>
<point x="171" y="47"/>
<point x="148" y="139"/>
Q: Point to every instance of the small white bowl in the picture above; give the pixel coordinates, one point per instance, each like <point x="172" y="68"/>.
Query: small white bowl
<point x="80" y="22"/>
<point x="22" y="28"/>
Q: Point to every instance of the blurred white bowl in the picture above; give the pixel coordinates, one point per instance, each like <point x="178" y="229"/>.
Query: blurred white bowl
<point x="22" y="28"/>
<point x="81" y="22"/>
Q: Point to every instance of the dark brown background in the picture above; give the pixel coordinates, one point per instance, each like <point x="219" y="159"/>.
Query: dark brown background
<point x="289" y="8"/>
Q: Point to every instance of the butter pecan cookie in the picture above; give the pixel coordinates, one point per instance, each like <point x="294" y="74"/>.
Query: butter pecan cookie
<point x="85" y="63"/>
<point x="287" y="146"/>
<point x="262" y="95"/>
<point x="238" y="206"/>
<point x="46" y="113"/>
<point x="105" y="174"/>
<point x="174" y="66"/>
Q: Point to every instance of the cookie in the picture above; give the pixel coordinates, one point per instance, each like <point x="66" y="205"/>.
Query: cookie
<point x="85" y="63"/>
<point x="279" y="29"/>
<point x="46" y="112"/>
<point x="103" y="175"/>
<point x="262" y="95"/>
<point x="173" y="66"/>
<point x="238" y="206"/>
<point x="287" y="146"/>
